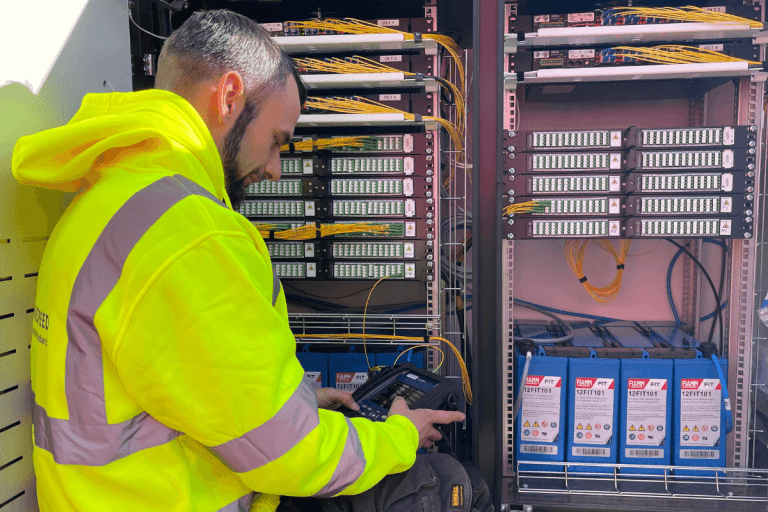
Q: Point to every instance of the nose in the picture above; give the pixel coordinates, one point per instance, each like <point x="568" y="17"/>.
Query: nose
<point x="273" y="170"/>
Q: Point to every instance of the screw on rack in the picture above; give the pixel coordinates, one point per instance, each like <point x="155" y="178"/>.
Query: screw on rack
<point x="511" y="133"/>
<point x="512" y="235"/>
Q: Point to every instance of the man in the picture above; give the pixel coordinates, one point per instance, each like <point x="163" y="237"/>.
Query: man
<point x="163" y="367"/>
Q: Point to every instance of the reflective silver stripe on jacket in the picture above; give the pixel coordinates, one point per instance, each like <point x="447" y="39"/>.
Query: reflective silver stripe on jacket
<point x="241" y="505"/>
<point x="350" y="467"/>
<point x="295" y="420"/>
<point x="86" y="438"/>
<point x="272" y="439"/>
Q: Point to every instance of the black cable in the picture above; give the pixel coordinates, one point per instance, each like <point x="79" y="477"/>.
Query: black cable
<point x="711" y="284"/>
<point x="446" y="89"/>
<point x="324" y="297"/>
<point x="720" y="291"/>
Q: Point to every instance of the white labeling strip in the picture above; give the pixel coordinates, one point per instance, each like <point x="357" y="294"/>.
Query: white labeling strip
<point x="581" y="451"/>
<point x="644" y="453"/>
<point x="542" y="449"/>
<point x="700" y="454"/>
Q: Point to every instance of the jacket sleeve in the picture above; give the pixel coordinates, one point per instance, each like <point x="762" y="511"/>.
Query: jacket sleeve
<point x="205" y="352"/>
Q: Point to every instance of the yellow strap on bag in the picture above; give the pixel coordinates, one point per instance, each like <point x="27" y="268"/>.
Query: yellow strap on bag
<point x="265" y="503"/>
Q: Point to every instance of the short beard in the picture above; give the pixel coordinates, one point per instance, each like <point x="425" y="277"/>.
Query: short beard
<point x="235" y="185"/>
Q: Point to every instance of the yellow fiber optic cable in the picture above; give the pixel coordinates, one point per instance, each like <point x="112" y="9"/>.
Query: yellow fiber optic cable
<point x="310" y="232"/>
<point x="527" y="207"/>
<point x="358" y="64"/>
<point x="575" y="251"/>
<point x="338" y="142"/>
<point x="688" y="13"/>
<point x="358" y="105"/>
<point x="675" y="54"/>
<point x="354" y="26"/>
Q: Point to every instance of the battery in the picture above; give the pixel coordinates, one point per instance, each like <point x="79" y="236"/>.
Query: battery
<point x="646" y="414"/>
<point x="315" y="367"/>
<point x="348" y="371"/>
<point x="541" y="423"/>
<point x="593" y="404"/>
<point x="699" y="416"/>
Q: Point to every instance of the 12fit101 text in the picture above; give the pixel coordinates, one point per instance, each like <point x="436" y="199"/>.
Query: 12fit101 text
<point x="697" y="393"/>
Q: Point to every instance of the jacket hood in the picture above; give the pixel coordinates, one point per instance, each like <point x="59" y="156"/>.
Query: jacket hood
<point x="147" y="131"/>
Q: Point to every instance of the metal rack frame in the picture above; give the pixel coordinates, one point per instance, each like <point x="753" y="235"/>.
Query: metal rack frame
<point x="745" y="338"/>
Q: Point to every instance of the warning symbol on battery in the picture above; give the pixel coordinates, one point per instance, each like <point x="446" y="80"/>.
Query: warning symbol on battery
<point x="535" y="423"/>
<point x="527" y="424"/>
<point x="695" y="428"/>
<point x="686" y="429"/>
<point x="641" y="428"/>
<point x="632" y="428"/>
<point x="579" y="426"/>
<point x="589" y="426"/>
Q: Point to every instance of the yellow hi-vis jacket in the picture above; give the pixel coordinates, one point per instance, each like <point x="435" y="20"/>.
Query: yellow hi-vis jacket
<point x="163" y="369"/>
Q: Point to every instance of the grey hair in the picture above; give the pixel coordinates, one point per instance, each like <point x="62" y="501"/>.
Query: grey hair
<point x="212" y="42"/>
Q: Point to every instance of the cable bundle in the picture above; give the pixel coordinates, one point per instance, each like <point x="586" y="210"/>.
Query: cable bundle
<point x="358" y="105"/>
<point x="687" y="13"/>
<point x="362" y="142"/>
<point x="527" y="207"/>
<point x="310" y="232"/>
<point x="673" y="54"/>
<point x="354" y="26"/>
<point x="358" y="64"/>
<point x="574" y="255"/>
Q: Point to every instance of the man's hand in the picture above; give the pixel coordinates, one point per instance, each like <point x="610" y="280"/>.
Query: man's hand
<point x="332" y="398"/>
<point x="424" y="420"/>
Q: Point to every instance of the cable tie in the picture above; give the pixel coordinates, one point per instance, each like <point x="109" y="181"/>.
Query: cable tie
<point x="318" y="230"/>
<point x="291" y="147"/>
<point x="271" y="234"/>
<point x="419" y="77"/>
<point x="620" y="267"/>
<point x="417" y="118"/>
<point x="426" y="339"/>
<point x="417" y="37"/>
<point x="583" y="279"/>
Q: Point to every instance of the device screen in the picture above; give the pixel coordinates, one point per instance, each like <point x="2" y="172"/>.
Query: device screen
<point x="386" y="396"/>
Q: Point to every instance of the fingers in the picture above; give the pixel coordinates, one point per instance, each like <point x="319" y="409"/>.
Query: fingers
<point x="445" y="417"/>
<point x="347" y="400"/>
<point x="399" y="406"/>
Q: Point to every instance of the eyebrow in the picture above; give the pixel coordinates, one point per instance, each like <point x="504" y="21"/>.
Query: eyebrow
<point x="282" y="137"/>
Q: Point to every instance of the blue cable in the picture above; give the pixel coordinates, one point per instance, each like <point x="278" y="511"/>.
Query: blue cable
<point x="602" y="319"/>
<point x="726" y="399"/>
<point x="669" y="286"/>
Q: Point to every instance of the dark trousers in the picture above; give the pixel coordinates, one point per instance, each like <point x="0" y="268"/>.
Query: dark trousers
<point x="435" y="483"/>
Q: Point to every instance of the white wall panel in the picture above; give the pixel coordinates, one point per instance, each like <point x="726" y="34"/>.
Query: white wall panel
<point x="96" y="52"/>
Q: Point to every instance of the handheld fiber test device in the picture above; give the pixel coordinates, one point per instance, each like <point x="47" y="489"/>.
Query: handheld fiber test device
<point x="421" y="389"/>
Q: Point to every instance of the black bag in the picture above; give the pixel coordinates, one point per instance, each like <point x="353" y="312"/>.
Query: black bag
<point x="435" y="483"/>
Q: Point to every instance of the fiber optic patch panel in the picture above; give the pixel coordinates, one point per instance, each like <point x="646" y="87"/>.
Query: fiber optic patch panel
<point x="371" y="186"/>
<point x="354" y="271"/>
<point x="409" y="229"/>
<point x="737" y="159"/>
<point x="289" y="29"/>
<point x="608" y="17"/>
<point x="731" y="205"/>
<point x="349" y="250"/>
<point x="643" y="138"/>
<point x="357" y="165"/>
<point x="632" y="227"/>
<point x="533" y="60"/>
<point x="407" y="143"/>
<point x="635" y="182"/>
<point x="351" y="208"/>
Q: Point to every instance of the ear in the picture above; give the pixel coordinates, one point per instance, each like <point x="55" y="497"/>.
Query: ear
<point x="230" y="96"/>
